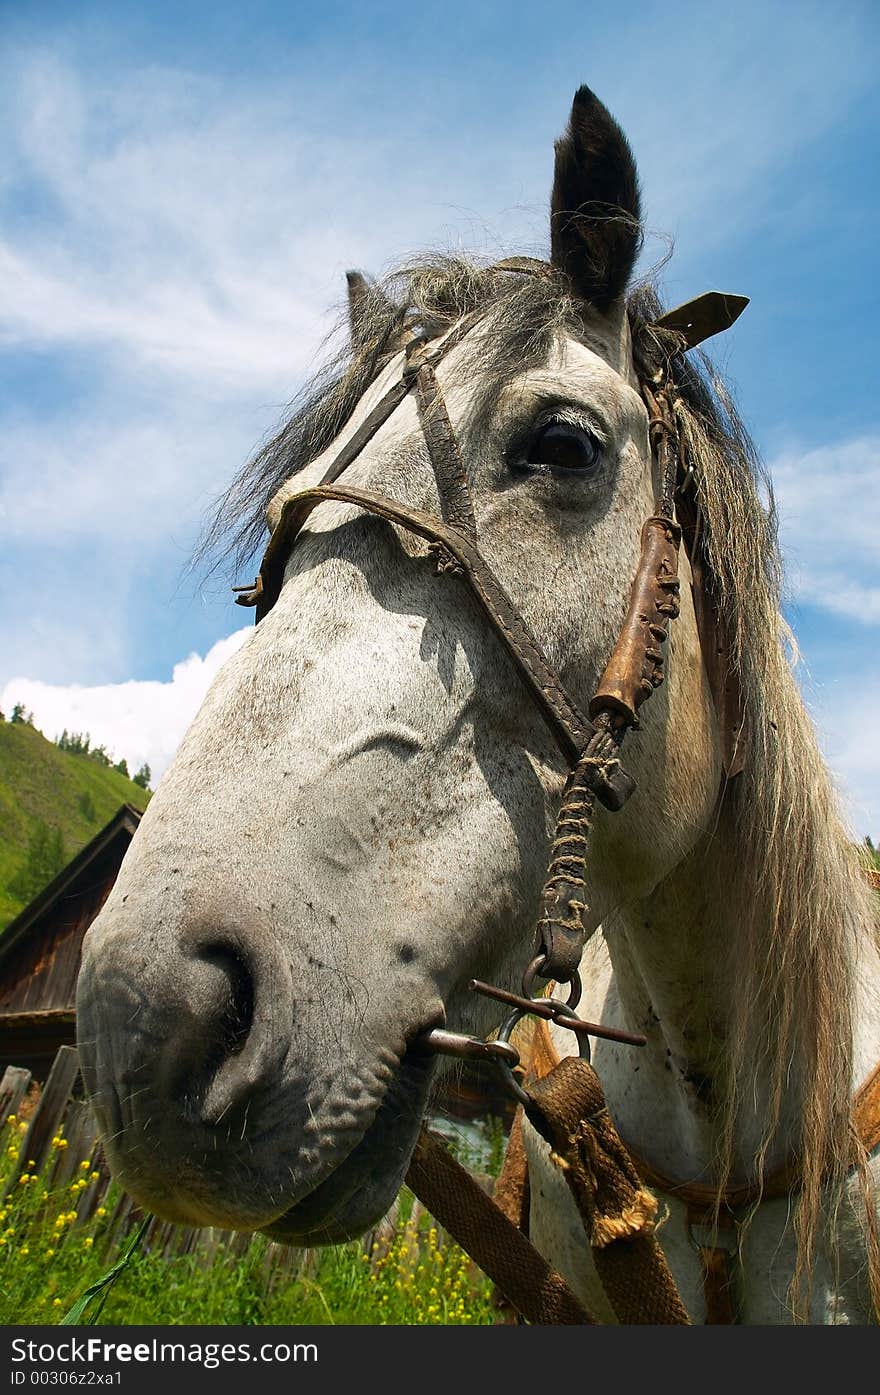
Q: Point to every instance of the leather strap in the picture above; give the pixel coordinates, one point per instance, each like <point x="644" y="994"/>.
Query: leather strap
<point x="456" y="504"/>
<point x="485" y="1233"/>
<point x="364" y="434"/>
<point x="571" y="729"/>
<point x="705" y="1210"/>
<point x="866" y="1111"/>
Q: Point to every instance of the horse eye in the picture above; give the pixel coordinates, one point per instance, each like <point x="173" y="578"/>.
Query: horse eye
<point x="564" y="447"/>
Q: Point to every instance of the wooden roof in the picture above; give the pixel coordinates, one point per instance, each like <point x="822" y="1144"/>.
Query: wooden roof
<point x="40" y="950"/>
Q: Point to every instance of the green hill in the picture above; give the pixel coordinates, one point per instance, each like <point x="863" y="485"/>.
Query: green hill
<point x="49" y="797"/>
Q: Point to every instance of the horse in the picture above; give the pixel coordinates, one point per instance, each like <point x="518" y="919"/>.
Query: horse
<point x="358" y="820"/>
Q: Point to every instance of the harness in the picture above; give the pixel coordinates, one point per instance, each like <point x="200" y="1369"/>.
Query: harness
<point x="713" y="1218"/>
<point x="566" y="1105"/>
<point x="589" y="744"/>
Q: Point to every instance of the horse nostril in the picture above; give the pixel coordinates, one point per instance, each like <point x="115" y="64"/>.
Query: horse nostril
<point x="236" y="1016"/>
<point x="211" y="1069"/>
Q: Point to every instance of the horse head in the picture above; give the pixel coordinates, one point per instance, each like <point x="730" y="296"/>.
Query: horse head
<point x="359" y="818"/>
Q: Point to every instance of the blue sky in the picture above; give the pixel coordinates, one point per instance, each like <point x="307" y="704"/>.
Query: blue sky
<point x="183" y="187"/>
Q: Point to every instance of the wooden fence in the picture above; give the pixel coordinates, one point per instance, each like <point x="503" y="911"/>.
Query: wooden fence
<point x="55" y="1112"/>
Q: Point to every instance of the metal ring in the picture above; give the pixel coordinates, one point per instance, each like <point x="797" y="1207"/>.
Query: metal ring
<point x="533" y="971"/>
<point x="582" y="1039"/>
<point x="507" y="1075"/>
<point x="574" y="996"/>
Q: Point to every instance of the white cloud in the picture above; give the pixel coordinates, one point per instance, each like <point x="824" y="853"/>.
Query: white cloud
<point x="196" y="227"/>
<point x="829" y="508"/>
<point x="180" y="236"/>
<point x="850" y="740"/>
<point x="191" y="230"/>
<point x="142" y="721"/>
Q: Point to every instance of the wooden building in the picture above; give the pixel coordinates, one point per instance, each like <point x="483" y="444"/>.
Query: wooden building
<point x="40" y="950"/>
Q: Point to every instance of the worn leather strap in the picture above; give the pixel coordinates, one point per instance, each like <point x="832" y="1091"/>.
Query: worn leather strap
<point x="456" y="504"/>
<point x="570" y="727"/>
<point x="364" y="434"/>
<point x="705" y="1209"/>
<point x="618" y="1213"/>
<point x="485" y="1233"/>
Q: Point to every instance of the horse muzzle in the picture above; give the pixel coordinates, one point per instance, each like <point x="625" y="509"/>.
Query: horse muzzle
<point x="224" y="1098"/>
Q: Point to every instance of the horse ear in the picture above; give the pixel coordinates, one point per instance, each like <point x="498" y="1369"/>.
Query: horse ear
<point x="595" y="230"/>
<point x="364" y="302"/>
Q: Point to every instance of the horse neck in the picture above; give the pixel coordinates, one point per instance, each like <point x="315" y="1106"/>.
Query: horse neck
<point x="674" y="961"/>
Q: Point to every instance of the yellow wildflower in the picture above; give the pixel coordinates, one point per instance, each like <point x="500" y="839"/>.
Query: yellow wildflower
<point x="24" y="1251"/>
<point x="84" y="1165"/>
<point x="102" y="1211"/>
<point x="88" y="1242"/>
<point x="94" y="1176"/>
<point x="56" y="1303"/>
<point x="11" y="1119"/>
<point x="50" y="1253"/>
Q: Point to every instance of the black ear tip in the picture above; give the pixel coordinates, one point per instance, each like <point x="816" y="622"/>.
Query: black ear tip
<point x="356" y="280"/>
<point x="585" y="100"/>
<point x="595" y="207"/>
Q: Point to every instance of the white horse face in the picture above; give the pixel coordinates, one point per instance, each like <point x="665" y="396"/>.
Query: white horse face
<point x="358" y="820"/>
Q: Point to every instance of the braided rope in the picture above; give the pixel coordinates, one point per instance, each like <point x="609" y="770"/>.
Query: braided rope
<point x="563" y="899"/>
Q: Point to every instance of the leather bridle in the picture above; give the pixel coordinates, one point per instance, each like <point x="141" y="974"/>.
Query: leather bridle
<point x="589" y="744"/>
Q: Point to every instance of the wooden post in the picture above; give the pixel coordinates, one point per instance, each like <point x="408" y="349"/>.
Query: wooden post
<point x="50" y="1110"/>
<point x="13" y="1087"/>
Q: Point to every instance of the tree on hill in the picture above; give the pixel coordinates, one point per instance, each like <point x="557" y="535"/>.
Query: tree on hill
<point x="20" y="716"/>
<point x="143" y="777"/>
<point x="79" y="743"/>
<point x="43" y="860"/>
<point x="76" y="742"/>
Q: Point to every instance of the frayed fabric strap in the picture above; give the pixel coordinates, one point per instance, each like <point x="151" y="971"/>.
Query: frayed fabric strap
<point x="618" y="1213"/>
<point x="484" y="1232"/>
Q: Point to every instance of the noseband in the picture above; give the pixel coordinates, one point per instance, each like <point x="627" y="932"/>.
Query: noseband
<point x="589" y="744"/>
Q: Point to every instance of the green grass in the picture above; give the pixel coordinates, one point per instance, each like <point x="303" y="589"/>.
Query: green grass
<point x="65" y="791"/>
<point x="49" y="1256"/>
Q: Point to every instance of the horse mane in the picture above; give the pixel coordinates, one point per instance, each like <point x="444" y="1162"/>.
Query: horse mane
<point x="803" y="908"/>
